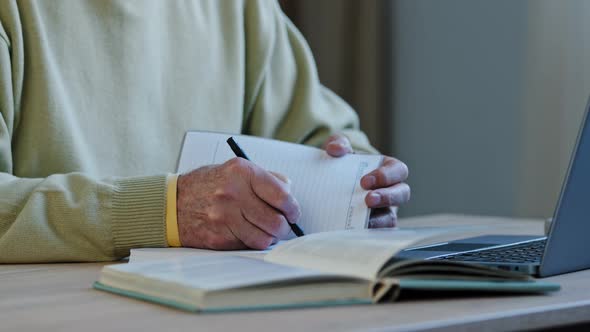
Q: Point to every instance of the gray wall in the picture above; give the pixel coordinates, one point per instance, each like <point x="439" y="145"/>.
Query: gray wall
<point x="488" y="96"/>
<point x="557" y="74"/>
<point x="482" y="98"/>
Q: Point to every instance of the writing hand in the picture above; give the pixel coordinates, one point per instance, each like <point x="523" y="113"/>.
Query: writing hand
<point x="235" y="205"/>
<point x="386" y="184"/>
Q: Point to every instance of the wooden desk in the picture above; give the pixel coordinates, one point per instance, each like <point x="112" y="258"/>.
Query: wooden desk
<point x="53" y="297"/>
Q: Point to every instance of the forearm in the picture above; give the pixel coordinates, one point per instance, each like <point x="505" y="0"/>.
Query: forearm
<point x="74" y="217"/>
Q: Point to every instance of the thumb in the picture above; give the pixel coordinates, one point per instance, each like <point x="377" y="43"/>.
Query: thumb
<point x="338" y="145"/>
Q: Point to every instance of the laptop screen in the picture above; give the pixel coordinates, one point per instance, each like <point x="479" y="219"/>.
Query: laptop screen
<point x="568" y="243"/>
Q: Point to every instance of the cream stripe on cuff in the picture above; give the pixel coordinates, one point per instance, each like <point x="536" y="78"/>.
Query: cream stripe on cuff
<point x="172" y="235"/>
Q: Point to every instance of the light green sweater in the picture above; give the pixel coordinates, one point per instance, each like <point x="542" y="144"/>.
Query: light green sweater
<point x="95" y="97"/>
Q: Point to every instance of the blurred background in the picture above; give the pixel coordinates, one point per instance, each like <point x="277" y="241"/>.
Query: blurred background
<point x="482" y="99"/>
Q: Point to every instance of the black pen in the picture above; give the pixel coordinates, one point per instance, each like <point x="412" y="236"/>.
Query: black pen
<point x="240" y="153"/>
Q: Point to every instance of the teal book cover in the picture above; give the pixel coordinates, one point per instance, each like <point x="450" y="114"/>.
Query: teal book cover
<point x="194" y="308"/>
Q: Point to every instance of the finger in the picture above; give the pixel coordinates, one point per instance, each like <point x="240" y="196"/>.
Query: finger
<point x="225" y="242"/>
<point x="390" y="172"/>
<point x="282" y="177"/>
<point x="383" y="217"/>
<point x="391" y="196"/>
<point x="275" y="193"/>
<point x="266" y="218"/>
<point x="216" y="235"/>
<point x="251" y="235"/>
<point x="338" y="145"/>
<point x="231" y="232"/>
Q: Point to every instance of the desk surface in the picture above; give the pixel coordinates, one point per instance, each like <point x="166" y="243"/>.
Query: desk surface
<point x="59" y="297"/>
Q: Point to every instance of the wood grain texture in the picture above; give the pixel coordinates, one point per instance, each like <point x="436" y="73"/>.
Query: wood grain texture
<point x="53" y="297"/>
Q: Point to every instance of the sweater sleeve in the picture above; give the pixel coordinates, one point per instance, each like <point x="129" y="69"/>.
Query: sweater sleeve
<point x="70" y="217"/>
<point x="284" y="98"/>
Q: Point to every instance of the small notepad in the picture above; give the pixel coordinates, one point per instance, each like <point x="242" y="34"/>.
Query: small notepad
<point x="327" y="188"/>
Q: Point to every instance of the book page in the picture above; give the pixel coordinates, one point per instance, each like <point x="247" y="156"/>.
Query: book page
<point x="208" y="273"/>
<point x="154" y="254"/>
<point x="359" y="253"/>
<point x="327" y="189"/>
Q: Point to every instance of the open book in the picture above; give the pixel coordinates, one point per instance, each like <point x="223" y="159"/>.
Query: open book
<point x="327" y="189"/>
<point x="331" y="268"/>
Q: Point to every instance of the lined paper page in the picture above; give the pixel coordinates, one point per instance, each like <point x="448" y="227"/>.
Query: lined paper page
<point x="327" y="189"/>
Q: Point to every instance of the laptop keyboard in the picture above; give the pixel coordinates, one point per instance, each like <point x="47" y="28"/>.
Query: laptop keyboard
<point x="529" y="252"/>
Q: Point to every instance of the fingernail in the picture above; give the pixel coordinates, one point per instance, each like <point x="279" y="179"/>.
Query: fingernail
<point x="369" y="181"/>
<point x="374" y="199"/>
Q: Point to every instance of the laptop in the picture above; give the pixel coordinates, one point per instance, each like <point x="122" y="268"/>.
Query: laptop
<point x="566" y="248"/>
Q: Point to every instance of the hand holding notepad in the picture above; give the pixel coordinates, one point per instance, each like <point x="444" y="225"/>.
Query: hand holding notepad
<point x="327" y="189"/>
<point x="240" y="153"/>
<point x="233" y="206"/>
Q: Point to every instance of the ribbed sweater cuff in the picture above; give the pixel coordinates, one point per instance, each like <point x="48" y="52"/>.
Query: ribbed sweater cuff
<point x="139" y="213"/>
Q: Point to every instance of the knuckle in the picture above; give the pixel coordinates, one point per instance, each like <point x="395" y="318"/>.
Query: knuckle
<point x="381" y="176"/>
<point x="234" y="162"/>
<point x="226" y="192"/>
<point x="216" y="215"/>
<point x="237" y="164"/>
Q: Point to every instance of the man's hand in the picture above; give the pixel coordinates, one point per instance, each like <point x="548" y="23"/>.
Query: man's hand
<point x="386" y="184"/>
<point x="235" y="205"/>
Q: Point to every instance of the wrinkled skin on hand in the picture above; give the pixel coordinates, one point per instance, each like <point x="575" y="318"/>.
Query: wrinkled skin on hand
<point x="236" y="205"/>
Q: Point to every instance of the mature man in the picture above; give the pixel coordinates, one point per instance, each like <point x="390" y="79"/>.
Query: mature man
<point x="95" y="97"/>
